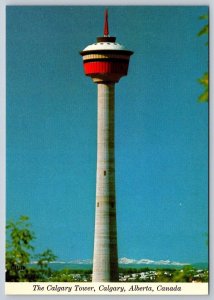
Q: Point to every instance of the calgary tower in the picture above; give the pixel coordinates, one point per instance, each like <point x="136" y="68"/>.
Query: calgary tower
<point x="105" y="61"/>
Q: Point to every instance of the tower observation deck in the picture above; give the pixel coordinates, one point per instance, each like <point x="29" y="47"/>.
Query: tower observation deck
<point x="105" y="61"/>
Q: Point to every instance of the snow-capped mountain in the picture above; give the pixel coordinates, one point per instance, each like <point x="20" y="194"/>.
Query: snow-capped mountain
<point x="81" y="261"/>
<point x="145" y="261"/>
<point x="130" y="261"/>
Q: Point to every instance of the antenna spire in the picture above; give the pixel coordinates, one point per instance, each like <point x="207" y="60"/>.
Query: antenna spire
<point x="106" y="31"/>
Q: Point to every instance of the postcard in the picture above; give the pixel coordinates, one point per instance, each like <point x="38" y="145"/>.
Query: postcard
<point x="107" y="150"/>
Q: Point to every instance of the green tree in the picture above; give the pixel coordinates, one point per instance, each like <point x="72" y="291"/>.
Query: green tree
<point x="45" y="258"/>
<point x="184" y="275"/>
<point x="20" y="252"/>
<point x="204" y="80"/>
<point x="18" y="248"/>
<point x="43" y="261"/>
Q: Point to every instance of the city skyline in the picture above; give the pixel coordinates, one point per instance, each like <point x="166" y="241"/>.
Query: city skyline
<point x="161" y="130"/>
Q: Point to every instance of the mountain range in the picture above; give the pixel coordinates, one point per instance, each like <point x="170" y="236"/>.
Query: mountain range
<point x="127" y="261"/>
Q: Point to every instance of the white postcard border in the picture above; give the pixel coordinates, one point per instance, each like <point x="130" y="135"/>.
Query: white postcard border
<point x="7" y="287"/>
<point x="105" y="288"/>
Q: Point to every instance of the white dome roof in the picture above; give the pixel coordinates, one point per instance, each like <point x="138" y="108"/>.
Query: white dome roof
<point x="105" y="46"/>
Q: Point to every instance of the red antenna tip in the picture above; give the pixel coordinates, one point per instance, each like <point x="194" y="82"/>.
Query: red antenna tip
<point x="106" y="31"/>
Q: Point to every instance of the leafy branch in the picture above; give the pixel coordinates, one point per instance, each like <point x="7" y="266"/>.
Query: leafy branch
<point x="204" y="80"/>
<point x="20" y="252"/>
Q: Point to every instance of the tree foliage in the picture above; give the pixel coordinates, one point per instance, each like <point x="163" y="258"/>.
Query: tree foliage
<point x="204" y="80"/>
<point x="205" y="28"/>
<point x="45" y="258"/>
<point x="18" y="248"/>
<point x="20" y="252"/>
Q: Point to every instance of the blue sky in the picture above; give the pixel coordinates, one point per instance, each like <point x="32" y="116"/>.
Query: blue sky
<point x="161" y="130"/>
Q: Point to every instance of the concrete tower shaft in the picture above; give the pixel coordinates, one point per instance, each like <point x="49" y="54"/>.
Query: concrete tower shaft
<point x="105" y="262"/>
